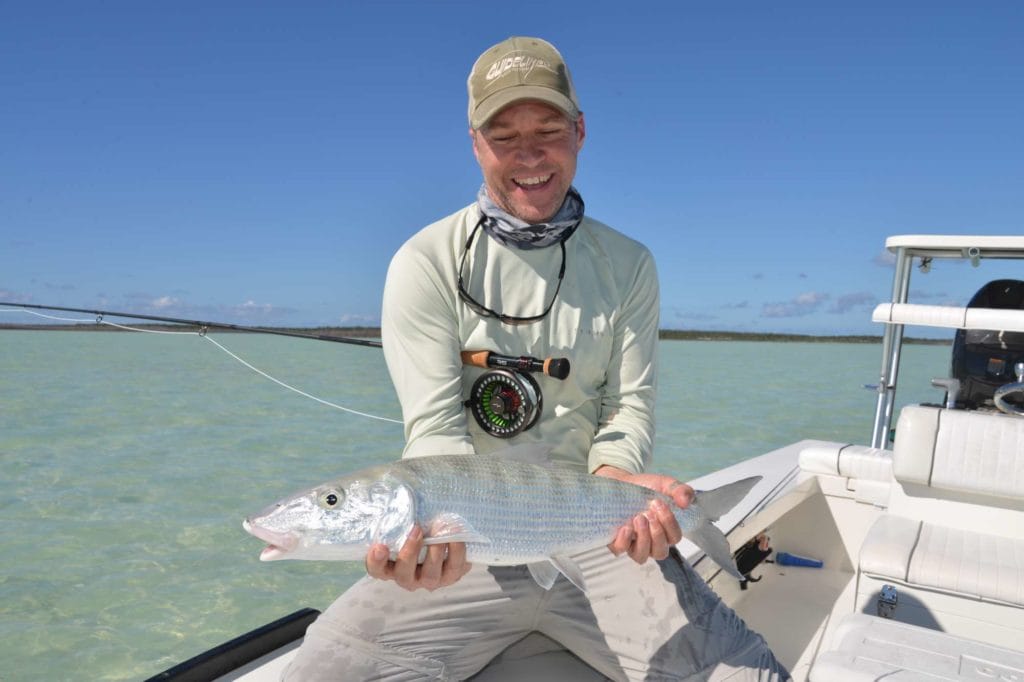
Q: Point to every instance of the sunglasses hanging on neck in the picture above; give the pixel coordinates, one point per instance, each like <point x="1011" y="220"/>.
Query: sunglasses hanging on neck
<point x="484" y="311"/>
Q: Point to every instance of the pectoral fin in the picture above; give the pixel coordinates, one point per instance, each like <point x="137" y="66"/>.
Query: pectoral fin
<point x="445" y="528"/>
<point x="570" y="569"/>
<point x="468" y="536"/>
<point x="545" y="573"/>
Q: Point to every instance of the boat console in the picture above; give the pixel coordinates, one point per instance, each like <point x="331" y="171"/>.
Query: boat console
<point x="984" y="360"/>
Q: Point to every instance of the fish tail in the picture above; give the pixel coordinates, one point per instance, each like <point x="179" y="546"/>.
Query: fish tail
<point x="715" y="503"/>
<point x="716" y="546"/>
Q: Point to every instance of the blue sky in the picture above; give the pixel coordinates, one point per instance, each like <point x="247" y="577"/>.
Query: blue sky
<point x="259" y="163"/>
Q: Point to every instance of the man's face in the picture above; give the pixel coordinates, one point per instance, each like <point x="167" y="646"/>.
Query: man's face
<point x="527" y="153"/>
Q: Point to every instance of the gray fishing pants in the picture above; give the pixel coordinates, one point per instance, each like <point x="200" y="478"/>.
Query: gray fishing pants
<point x="656" y="621"/>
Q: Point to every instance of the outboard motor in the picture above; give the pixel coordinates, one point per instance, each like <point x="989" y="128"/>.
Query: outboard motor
<point x="984" y="359"/>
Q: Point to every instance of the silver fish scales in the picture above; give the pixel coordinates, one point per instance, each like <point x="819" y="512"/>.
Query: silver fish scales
<point x="522" y="509"/>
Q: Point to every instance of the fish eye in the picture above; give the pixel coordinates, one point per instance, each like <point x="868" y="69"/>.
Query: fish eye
<point x="331" y="499"/>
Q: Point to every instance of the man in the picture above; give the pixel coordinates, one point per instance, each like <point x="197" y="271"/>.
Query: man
<point x="524" y="272"/>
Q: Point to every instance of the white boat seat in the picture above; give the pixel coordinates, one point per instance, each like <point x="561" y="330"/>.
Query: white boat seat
<point x="868" y="471"/>
<point x="983" y="566"/>
<point x="953" y="455"/>
<point x="851" y="461"/>
<point x="866" y="648"/>
<point x="980" y="453"/>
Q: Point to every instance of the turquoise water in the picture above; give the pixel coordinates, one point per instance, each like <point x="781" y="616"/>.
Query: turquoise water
<point x="129" y="461"/>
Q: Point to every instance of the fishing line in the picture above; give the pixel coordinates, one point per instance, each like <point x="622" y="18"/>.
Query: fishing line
<point x="302" y="393"/>
<point x="99" y="320"/>
<point x="199" y="323"/>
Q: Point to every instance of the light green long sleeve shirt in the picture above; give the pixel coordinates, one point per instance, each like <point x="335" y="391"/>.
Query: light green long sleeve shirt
<point x="604" y="320"/>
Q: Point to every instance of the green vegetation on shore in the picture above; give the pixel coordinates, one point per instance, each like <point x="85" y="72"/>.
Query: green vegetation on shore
<point x="374" y="333"/>
<point x="694" y="335"/>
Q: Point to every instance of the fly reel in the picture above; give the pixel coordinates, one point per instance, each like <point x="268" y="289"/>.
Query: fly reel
<point x="505" y="403"/>
<point x="507" y="400"/>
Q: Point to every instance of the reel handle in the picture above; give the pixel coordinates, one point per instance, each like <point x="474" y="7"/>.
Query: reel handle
<point x="556" y="368"/>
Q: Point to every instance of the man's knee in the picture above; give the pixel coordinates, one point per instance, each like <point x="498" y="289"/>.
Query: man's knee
<point x="332" y="652"/>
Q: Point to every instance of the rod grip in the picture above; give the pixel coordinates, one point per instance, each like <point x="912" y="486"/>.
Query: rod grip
<point x="556" y="368"/>
<point x="475" y="358"/>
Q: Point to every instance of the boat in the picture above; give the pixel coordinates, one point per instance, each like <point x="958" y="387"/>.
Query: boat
<point x="912" y="543"/>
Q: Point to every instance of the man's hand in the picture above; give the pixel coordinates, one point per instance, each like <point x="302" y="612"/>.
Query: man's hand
<point x="653" y="532"/>
<point x="443" y="565"/>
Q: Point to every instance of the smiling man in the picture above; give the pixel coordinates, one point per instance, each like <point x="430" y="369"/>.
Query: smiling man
<point x="524" y="272"/>
<point x="527" y="153"/>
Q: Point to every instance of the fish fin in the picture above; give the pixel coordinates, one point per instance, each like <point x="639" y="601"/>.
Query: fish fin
<point x="530" y="453"/>
<point x="714" y="543"/>
<point x="393" y="525"/>
<point x="717" y="502"/>
<point x="468" y="536"/>
<point x="570" y="569"/>
<point x="544" y="573"/>
<point x="450" y="527"/>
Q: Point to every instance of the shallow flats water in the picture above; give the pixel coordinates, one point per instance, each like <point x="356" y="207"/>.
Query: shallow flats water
<point x="129" y="461"/>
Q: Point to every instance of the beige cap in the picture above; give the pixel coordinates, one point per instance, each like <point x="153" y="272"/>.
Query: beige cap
<point x="516" y="69"/>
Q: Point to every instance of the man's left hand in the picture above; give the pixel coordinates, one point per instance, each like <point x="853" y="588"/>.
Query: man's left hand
<point x="653" y="532"/>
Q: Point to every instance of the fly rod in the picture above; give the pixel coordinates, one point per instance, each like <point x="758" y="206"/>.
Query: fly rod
<point x="199" y="323"/>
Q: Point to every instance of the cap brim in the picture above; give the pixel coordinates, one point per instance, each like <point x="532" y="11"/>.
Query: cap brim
<point x="538" y="93"/>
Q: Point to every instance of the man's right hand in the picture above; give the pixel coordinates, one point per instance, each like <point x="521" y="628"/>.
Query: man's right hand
<point x="443" y="565"/>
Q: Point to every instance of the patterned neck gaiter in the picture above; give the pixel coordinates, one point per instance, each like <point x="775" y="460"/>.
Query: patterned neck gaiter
<point x="513" y="232"/>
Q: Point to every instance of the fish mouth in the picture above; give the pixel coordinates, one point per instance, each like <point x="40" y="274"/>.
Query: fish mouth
<point x="279" y="544"/>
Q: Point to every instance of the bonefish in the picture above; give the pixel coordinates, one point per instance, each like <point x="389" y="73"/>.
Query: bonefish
<point x="509" y="510"/>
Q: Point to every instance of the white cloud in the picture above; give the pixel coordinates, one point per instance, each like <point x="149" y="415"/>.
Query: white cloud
<point x="697" y="317"/>
<point x="354" y="320"/>
<point x="811" y="298"/>
<point x="8" y="295"/>
<point x="253" y="311"/>
<point x="164" y="302"/>
<point x="847" y="302"/>
<point x="251" y="307"/>
<point x="885" y="259"/>
<point x="804" y="304"/>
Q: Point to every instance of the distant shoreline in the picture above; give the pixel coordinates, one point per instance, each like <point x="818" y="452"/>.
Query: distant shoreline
<point x="687" y="335"/>
<point x="374" y="333"/>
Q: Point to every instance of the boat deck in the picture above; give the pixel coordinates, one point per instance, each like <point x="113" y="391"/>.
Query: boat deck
<point x="781" y="604"/>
